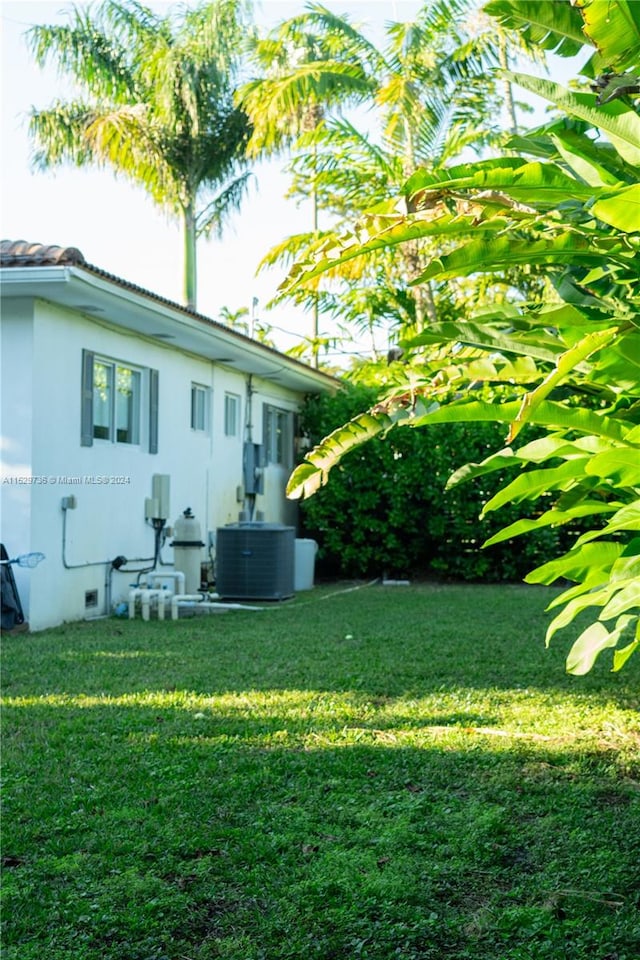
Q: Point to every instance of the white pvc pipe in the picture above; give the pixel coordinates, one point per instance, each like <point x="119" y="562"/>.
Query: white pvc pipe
<point x="196" y="601"/>
<point x="175" y="600"/>
<point x="133" y="595"/>
<point x="176" y="575"/>
<point x="160" y="595"/>
<point x="146" y="596"/>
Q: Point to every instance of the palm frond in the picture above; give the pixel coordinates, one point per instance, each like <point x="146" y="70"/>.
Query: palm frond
<point x="343" y="37"/>
<point x="278" y="107"/>
<point x="216" y="214"/>
<point x="133" y="23"/>
<point x="96" y="61"/>
<point x="58" y="134"/>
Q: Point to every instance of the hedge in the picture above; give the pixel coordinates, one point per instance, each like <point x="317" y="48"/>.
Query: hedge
<point x="385" y="511"/>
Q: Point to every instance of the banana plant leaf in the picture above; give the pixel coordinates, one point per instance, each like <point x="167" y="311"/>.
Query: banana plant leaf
<point x="488" y="256"/>
<point x="591" y="643"/>
<point x="614" y="29"/>
<point x="551" y="518"/>
<point x="554" y="26"/>
<point x="621" y="211"/>
<point x="617" y="120"/>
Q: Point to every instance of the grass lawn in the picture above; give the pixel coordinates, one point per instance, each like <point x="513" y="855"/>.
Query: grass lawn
<point x="383" y="773"/>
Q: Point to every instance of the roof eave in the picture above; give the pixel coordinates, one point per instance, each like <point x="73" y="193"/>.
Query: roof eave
<point x="89" y="290"/>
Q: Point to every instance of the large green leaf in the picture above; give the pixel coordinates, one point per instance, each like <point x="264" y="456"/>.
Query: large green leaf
<point x="614" y="29"/>
<point x="592" y="598"/>
<point x="550" y="518"/>
<point x="626" y="598"/>
<point x="578" y="564"/>
<point x="537" y="451"/>
<point x="622" y="465"/>
<point x="591" y="643"/>
<point x="584" y="157"/>
<point x="622" y="210"/>
<point x="313" y="472"/>
<point x="565" y="365"/>
<point x="375" y="232"/>
<point x="627" y="564"/>
<point x="541" y="346"/>
<point x="503" y="459"/>
<point x="557" y="445"/>
<point x="599" y="573"/>
<point x="502" y="252"/>
<point x="627" y="518"/>
<point x="617" y="120"/>
<point x="621" y="656"/>
<point x="620" y="365"/>
<point x="417" y="411"/>
<point x="534" y="184"/>
<point x="531" y="484"/>
<point x="554" y="25"/>
<point x="548" y="414"/>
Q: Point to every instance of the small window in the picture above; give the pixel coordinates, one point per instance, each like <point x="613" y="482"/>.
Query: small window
<point x="278" y="435"/>
<point x="116" y="402"/>
<point x="199" y="407"/>
<point x="231" y="415"/>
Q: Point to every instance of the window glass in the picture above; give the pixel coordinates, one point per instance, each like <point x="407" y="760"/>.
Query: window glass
<point x="199" y="405"/>
<point x="102" y="399"/>
<point x="231" y="414"/>
<point x="127" y="405"/>
<point x="278" y="436"/>
<point x="116" y="402"/>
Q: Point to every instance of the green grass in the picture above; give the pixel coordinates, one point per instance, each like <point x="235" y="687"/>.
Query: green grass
<point x="384" y="773"/>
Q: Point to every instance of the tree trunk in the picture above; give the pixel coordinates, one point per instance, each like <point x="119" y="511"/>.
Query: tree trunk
<point x="316" y="309"/>
<point x="503" y="58"/>
<point x="190" y="262"/>
<point x="311" y="120"/>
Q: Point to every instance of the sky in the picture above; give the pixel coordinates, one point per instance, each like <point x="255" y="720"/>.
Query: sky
<point x="114" y="224"/>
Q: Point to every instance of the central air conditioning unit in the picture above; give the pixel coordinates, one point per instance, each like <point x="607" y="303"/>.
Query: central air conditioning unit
<point x="255" y="561"/>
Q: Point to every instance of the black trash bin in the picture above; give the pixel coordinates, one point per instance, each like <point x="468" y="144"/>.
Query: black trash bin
<point x="12" y="615"/>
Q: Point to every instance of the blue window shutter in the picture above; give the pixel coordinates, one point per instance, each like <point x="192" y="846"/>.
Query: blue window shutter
<point x="86" y="400"/>
<point x="153" y="410"/>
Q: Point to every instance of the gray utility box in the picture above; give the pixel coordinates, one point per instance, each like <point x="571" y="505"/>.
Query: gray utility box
<point x="255" y="561"/>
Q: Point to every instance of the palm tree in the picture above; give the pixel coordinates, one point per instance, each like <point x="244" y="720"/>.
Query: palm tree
<point x="157" y="107"/>
<point x="306" y="66"/>
<point x="428" y="85"/>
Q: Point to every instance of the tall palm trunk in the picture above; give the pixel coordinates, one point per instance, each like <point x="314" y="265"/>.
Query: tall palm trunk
<point x="313" y="116"/>
<point x="190" y="282"/>
<point x="316" y="307"/>
<point x="412" y="254"/>
<point x="503" y="59"/>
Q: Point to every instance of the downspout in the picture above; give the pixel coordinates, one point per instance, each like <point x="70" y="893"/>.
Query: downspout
<point x="249" y="502"/>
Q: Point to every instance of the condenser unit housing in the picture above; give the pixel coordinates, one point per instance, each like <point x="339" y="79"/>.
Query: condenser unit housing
<point x="255" y="561"/>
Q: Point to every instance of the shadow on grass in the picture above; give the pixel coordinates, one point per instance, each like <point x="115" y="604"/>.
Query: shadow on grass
<point x="147" y="831"/>
<point x="380" y="642"/>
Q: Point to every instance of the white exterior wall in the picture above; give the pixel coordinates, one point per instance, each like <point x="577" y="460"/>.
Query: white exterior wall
<point x="44" y="441"/>
<point x="16" y="405"/>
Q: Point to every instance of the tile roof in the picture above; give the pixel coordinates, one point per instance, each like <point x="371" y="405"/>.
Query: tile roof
<point x="21" y="253"/>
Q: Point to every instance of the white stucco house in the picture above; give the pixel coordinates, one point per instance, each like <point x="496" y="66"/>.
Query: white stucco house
<point x="107" y="391"/>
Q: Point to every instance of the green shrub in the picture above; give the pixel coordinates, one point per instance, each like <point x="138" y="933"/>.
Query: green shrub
<point x="385" y="509"/>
